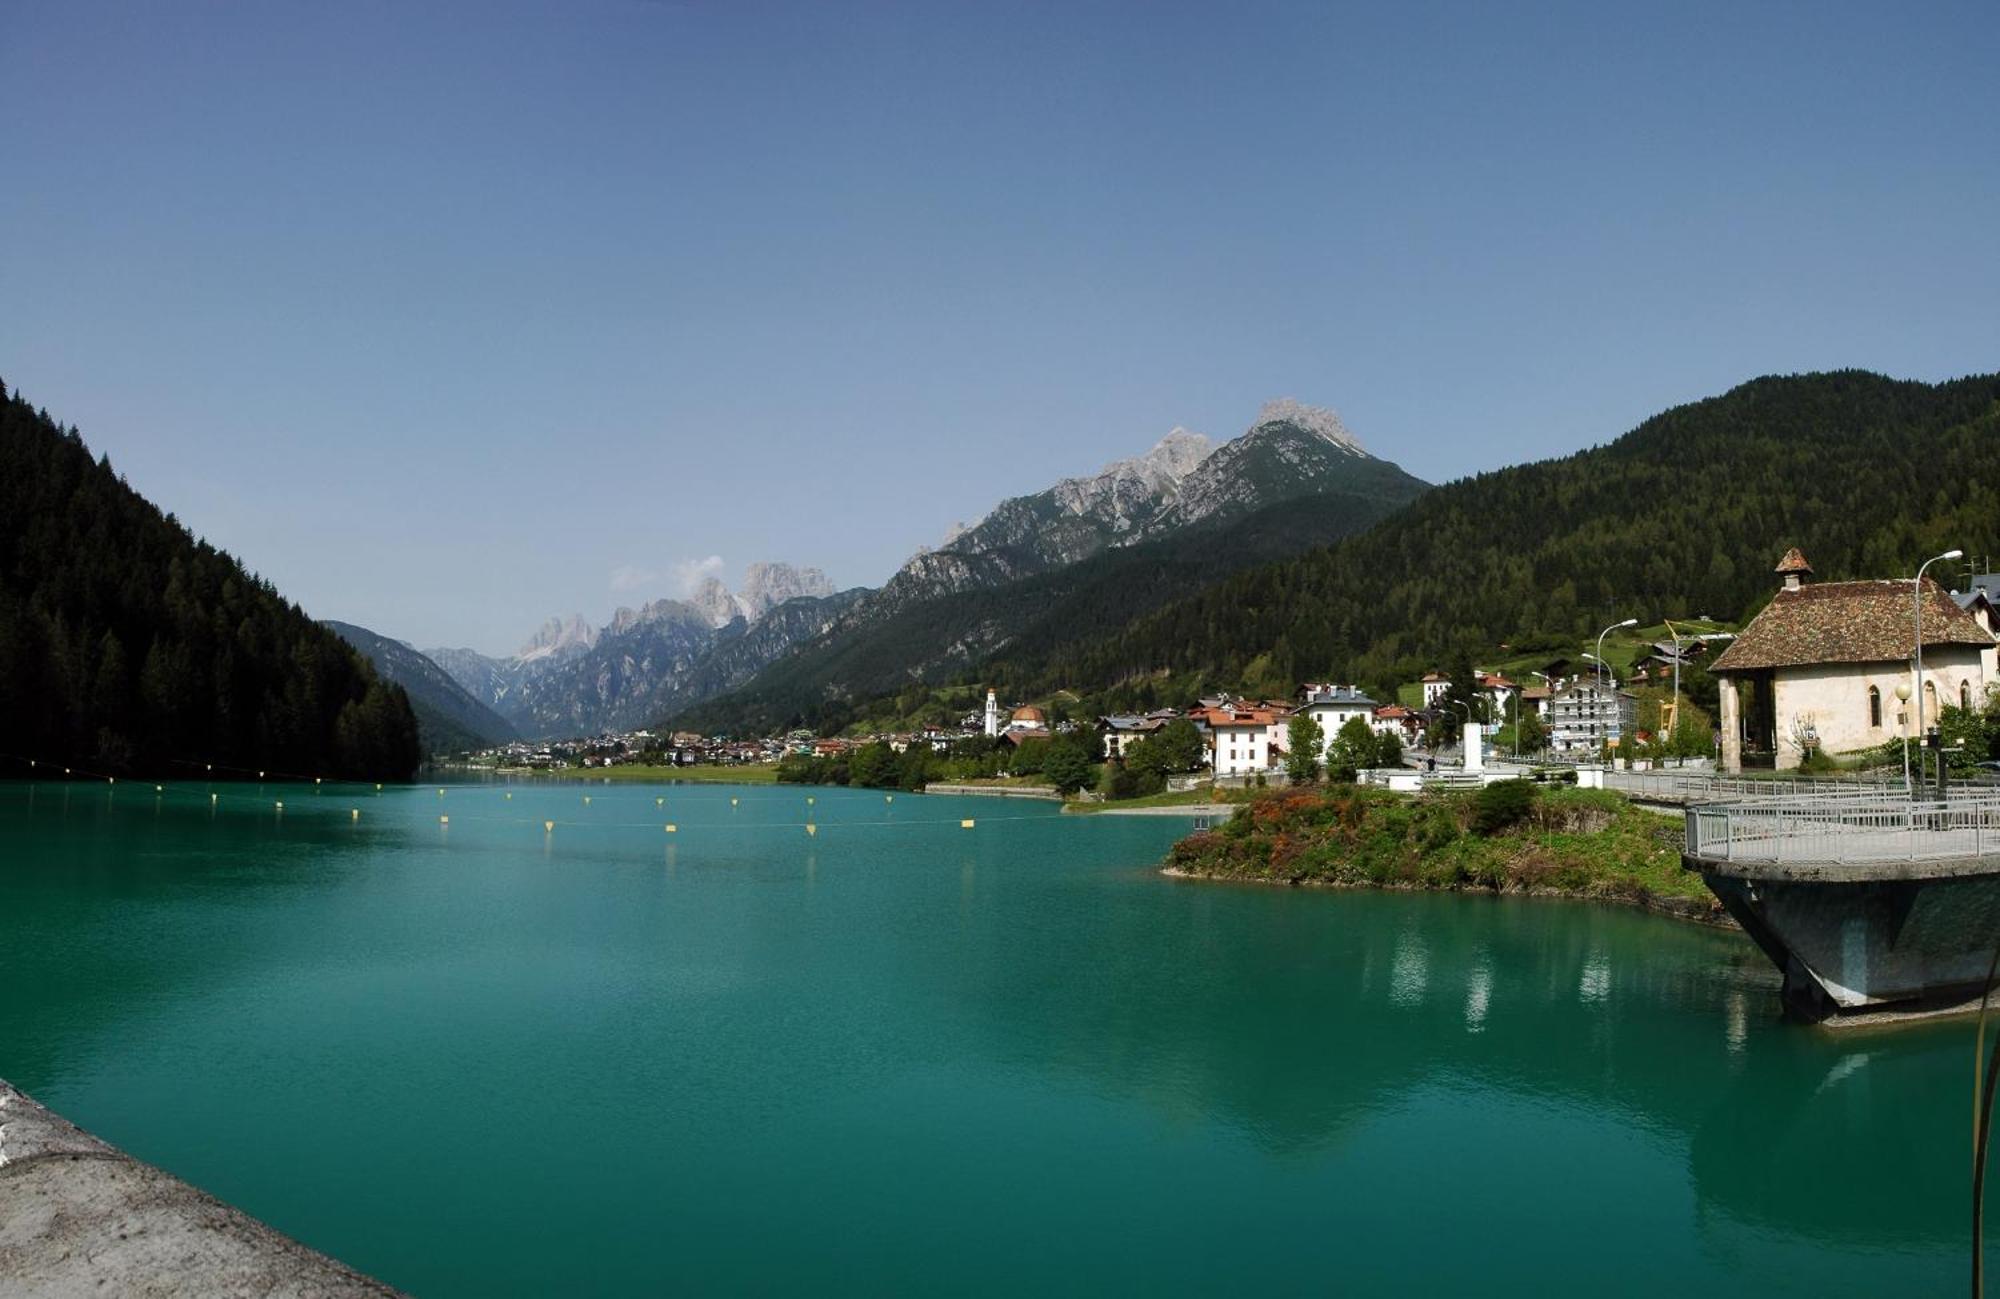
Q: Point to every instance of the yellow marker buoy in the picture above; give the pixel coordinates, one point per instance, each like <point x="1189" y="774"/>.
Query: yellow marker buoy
<point x="888" y="798"/>
<point x="659" y="802"/>
<point x="510" y="797"/>
<point x="440" y="793"/>
<point x="211" y="766"/>
<point x="811" y="829"/>
<point x="260" y="775"/>
<point x="378" y="786"/>
<point x="159" y="789"/>
<point x="732" y="802"/>
<point x="965" y="824"/>
<point x="809" y="800"/>
<point x="212" y="798"/>
<point x="586" y="800"/>
<point x="444" y="820"/>
<point x="111" y="780"/>
<point x="548" y="827"/>
<point x="672" y="828"/>
<point x="281" y="805"/>
<point x="354" y="814"/>
<point x="316" y="780"/>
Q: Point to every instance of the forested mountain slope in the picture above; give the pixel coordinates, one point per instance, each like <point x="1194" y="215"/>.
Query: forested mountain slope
<point x="1686" y="514"/>
<point x="941" y="638"/>
<point x="129" y="646"/>
<point x="449" y="719"/>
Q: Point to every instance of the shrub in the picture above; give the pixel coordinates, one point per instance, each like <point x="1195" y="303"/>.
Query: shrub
<point x="1498" y="806"/>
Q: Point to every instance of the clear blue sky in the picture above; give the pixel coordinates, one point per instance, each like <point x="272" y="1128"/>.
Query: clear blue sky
<point x="442" y="315"/>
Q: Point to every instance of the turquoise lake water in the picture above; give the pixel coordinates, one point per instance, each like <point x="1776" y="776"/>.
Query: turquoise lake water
<point x="903" y="1056"/>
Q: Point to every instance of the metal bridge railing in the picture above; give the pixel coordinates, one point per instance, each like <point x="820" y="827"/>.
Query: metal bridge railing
<point x="1697" y="786"/>
<point x="1847" y="828"/>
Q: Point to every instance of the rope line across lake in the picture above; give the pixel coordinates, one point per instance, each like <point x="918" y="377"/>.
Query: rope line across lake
<point x="235" y="797"/>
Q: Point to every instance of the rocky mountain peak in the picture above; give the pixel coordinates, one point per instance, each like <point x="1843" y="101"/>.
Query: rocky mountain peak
<point x="766" y="586"/>
<point x="1313" y="419"/>
<point x="559" y="637"/>
<point x="656" y="611"/>
<point x="1178" y="453"/>
<point x="714" y="602"/>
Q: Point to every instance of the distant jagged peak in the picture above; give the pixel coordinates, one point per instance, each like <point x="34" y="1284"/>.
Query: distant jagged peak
<point x="1313" y="419"/>
<point x="714" y="602"/>
<point x="1171" y="459"/>
<point x="768" y="585"/>
<point x="559" y="636"/>
<point x="653" y="611"/>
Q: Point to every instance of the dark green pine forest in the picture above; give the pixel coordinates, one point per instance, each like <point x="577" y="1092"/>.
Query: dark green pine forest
<point x="129" y="647"/>
<point x="1685" y="515"/>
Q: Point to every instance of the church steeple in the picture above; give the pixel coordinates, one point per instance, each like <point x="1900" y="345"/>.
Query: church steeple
<point x="992" y="713"/>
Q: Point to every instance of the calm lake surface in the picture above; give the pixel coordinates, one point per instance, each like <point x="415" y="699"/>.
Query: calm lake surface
<point x="483" y="1058"/>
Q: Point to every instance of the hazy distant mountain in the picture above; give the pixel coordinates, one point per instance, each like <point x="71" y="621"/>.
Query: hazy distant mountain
<point x="449" y="718"/>
<point x="673" y="655"/>
<point x="1124" y="539"/>
<point x="765" y="587"/>
<point x="574" y="679"/>
<point x="558" y="638"/>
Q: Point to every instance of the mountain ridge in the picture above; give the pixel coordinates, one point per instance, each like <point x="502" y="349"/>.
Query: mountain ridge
<point x="449" y="719"/>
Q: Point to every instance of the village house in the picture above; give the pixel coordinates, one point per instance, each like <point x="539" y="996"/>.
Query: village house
<point x="1239" y="739"/>
<point x="1334" y="706"/>
<point x="1497" y="689"/>
<point x="1396" y="720"/>
<point x="1436" y="686"/>
<point x="1819" y="667"/>
<point x="1120" y="731"/>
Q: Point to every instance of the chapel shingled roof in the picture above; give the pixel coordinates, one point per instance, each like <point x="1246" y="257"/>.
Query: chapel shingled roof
<point x="1847" y="622"/>
<point x="1793" y="562"/>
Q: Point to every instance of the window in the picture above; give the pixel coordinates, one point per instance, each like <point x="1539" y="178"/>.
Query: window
<point x="1930" y="700"/>
<point x="1965" y="695"/>
<point x="1874" y="706"/>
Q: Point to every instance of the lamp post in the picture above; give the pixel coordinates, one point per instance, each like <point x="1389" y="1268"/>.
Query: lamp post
<point x="1917" y="634"/>
<point x="1903" y="721"/>
<point x="1461" y="735"/>
<point x="1549" y="684"/>
<point x="1599" y="710"/>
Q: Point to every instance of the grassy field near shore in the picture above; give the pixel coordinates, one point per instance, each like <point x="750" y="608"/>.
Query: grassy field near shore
<point x="1577" y="843"/>
<point x="753" y="773"/>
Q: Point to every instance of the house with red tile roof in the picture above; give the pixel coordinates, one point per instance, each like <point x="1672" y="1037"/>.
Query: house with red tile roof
<point x="1819" y="667"/>
<point x="1239" y="739"/>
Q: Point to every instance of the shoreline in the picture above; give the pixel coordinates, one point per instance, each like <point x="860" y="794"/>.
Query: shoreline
<point x="1170" y="809"/>
<point x="1688" y="910"/>
<point x="79" y="1216"/>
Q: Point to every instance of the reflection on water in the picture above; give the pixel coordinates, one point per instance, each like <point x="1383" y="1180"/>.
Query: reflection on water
<point x="1478" y="995"/>
<point x="1408" y="977"/>
<point x="915" y="1047"/>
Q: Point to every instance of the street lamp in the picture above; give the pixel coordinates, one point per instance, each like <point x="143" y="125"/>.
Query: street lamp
<point x="1598" y="712"/>
<point x="1458" y="704"/>
<point x="1903" y="721"/>
<point x="1548" y="683"/>
<point x="1917" y="633"/>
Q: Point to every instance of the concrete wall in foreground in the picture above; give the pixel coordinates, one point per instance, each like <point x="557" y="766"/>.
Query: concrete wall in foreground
<point x="80" y="1218"/>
